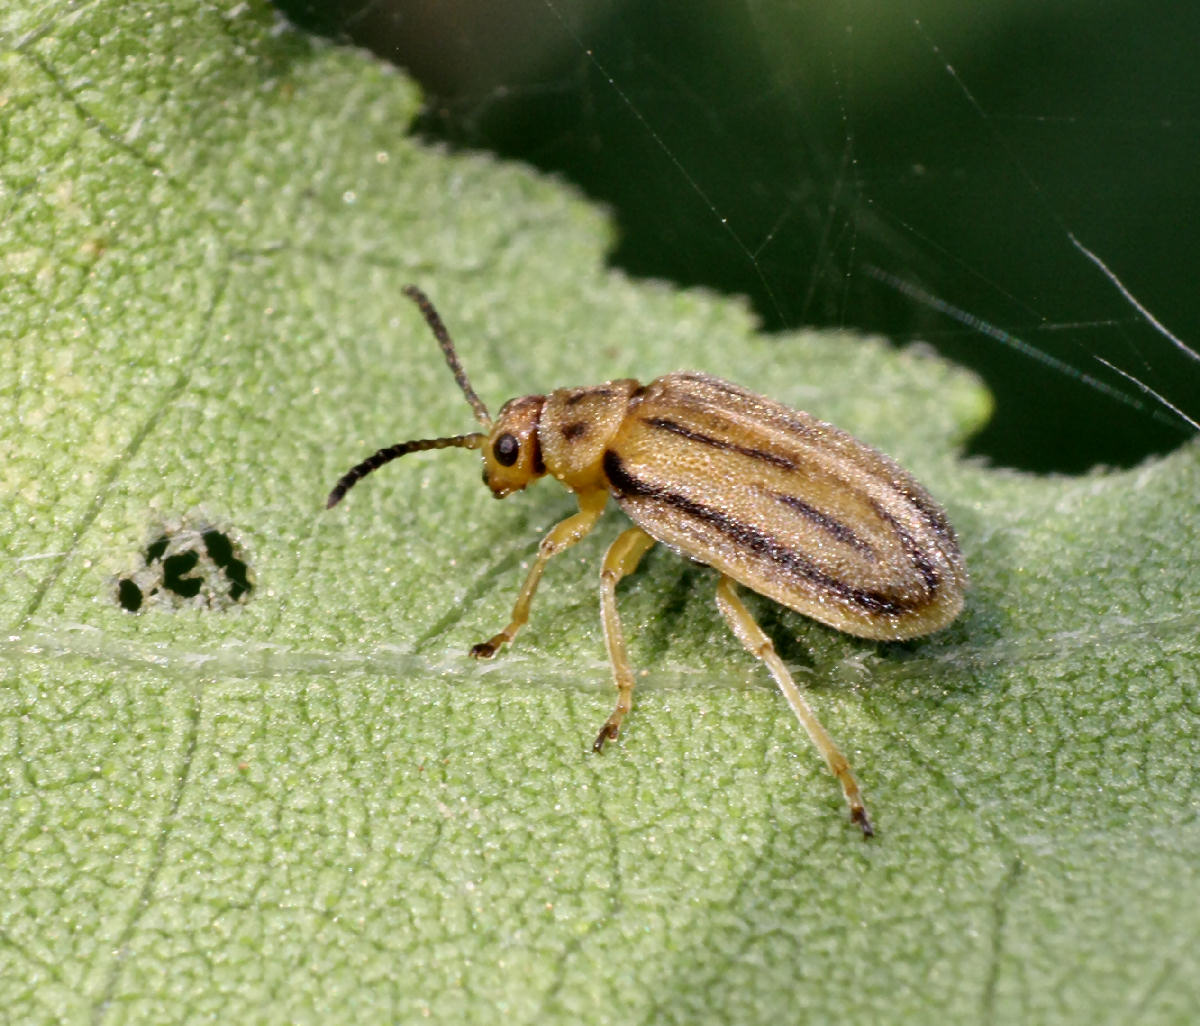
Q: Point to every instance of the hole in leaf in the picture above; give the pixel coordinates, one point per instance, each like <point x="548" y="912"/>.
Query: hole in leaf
<point x="129" y="595"/>
<point x="175" y="571"/>
<point x="188" y="565"/>
<point x="219" y="547"/>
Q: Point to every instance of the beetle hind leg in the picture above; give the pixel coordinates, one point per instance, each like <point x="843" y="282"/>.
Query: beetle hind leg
<point x="758" y="644"/>
<point x="622" y="559"/>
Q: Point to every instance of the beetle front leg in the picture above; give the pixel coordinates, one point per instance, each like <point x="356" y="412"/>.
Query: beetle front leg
<point x="562" y="536"/>
<point x="622" y="559"/>
<point x="758" y="644"/>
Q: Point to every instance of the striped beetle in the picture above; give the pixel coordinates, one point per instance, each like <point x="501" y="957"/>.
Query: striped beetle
<point x="769" y="497"/>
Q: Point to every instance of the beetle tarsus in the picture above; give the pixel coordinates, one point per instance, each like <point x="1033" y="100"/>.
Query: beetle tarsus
<point x="485" y="649"/>
<point x="607" y="733"/>
<point x="858" y="814"/>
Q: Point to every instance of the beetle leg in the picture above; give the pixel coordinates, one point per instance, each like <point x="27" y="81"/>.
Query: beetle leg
<point x="757" y="643"/>
<point x="622" y="558"/>
<point x="562" y="536"/>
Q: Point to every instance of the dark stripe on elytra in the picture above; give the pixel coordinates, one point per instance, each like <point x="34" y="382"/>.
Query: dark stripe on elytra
<point x="824" y="521"/>
<point x="716" y="384"/>
<point x="753" y="539"/>
<point x="663" y="424"/>
<point x="780" y="416"/>
<point x="888" y="473"/>
<point x="915" y="552"/>
<point x="933" y="515"/>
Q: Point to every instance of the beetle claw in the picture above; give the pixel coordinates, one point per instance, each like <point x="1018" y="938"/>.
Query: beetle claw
<point x="858" y="815"/>
<point x="607" y="733"/>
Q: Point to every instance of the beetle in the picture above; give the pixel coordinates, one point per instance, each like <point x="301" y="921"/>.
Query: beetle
<point x="771" y="498"/>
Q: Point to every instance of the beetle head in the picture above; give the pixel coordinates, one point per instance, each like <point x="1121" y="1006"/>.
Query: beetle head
<point x="512" y="454"/>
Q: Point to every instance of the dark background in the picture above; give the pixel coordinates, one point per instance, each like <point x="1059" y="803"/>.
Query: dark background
<point x="808" y="156"/>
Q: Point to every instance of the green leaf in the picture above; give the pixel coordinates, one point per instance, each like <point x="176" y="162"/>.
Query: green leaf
<point x="305" y="803"/>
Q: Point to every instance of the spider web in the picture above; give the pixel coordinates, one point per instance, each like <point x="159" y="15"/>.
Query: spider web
<point x="1013" y="184"/>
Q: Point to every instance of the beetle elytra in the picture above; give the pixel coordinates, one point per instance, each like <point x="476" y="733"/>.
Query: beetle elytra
<point x="769" y="497"/>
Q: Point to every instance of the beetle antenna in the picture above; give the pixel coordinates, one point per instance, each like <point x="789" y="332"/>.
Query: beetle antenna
<point x="393" y="452"/>
<point x="443" y="337"/>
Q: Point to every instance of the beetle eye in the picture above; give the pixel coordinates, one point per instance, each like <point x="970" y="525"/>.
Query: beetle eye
<point x="505" y="450"/>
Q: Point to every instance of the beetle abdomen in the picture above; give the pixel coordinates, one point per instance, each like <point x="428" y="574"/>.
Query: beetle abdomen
<point x="787" y="505"/>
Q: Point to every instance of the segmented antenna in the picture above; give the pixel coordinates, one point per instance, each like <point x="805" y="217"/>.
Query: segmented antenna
<point x="393" y="452"/>
<point x="443" y="337"/>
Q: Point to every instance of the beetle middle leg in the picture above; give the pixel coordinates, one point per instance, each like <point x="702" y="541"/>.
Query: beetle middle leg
<point x="562" y="536"/>
<point x="622" y="558"/>
<point x="758" y="644"/>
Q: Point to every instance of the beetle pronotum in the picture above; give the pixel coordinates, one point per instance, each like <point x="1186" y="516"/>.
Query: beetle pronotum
<point x="769" y="497"/>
